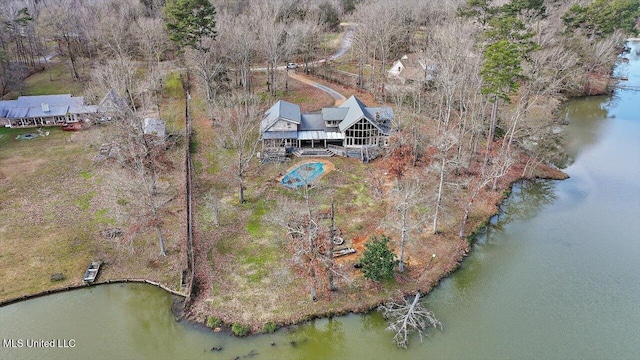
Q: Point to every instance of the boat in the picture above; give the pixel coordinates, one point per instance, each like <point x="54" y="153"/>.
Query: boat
<point x="72" y="127"/>
<point x="92" y="272"/>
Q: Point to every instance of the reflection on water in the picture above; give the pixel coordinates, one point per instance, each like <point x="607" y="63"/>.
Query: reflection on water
<point x="591" y="112"/>
<point x="526" y="200"/>
<point x="325" y="339"/>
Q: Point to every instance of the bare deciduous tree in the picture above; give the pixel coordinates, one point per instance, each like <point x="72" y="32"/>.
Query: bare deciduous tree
<point x="62" y="20"/>
<point x="497" y="167"/>
<point x="405" y="318"/>
<point x="141" y="155"/>
<point x="446" y="142"/>
<point x="239" y="119"/>
<point x="240" y="38"/>
<point x="276" y="41"/>
<point x="311" y="241"/>
<point x="409" y="202"/>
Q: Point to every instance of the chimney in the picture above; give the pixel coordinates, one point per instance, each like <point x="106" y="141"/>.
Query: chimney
<point x="45" y="107"/>
<point x="377" y="116"/>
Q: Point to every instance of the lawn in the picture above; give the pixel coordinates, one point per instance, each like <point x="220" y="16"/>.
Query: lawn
<point x="57" y="201"/>
<point x="56" y="80"/>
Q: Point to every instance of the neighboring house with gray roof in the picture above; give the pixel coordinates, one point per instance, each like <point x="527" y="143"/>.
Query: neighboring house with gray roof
<point x="44" y="110"/>
<point x="350" y="125"/>
<point x="412" y="68"/>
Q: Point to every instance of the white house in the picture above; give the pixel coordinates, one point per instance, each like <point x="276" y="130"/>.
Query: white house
<point x="414" y="67"/>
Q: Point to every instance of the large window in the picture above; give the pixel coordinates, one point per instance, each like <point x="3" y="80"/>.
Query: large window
<point x="362" y="133"/>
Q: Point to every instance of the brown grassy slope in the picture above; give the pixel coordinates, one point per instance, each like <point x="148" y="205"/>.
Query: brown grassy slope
<point x="55" y="200"/>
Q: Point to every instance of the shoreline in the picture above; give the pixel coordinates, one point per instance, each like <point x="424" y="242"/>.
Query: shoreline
<point x="363" y="306"/>
<point x="356" y="308"/>
<point x="82" y="286"/>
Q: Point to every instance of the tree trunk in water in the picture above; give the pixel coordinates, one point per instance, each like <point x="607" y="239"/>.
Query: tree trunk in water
<point x="413" y="306"/>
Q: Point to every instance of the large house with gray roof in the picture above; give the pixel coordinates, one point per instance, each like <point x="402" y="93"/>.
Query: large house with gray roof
<point x="44" y="110"/>
<point x="351" y="125"/>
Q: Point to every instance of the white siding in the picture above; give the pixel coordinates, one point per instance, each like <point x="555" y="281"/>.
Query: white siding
<point x="283" y="125"/>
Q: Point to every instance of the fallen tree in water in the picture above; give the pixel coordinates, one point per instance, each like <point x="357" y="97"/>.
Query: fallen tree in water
<point x="405" y="318"/>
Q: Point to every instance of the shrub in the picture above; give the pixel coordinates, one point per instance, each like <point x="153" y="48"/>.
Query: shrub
<point x="240" y="329"/>
<point x="213" y="322"/>
<point x="378" y="262"/>
<point x="269" y="327"/>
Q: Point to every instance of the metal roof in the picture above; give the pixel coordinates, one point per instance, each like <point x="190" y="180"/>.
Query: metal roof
<point x="6" y="105"/>
<point x="44" y="106"/>
<point x="380" y="117"/>
<point x="320" y="135"/>
<point x="312" y="126"/>
<point x="54" y="110"/>
<point x="279" y="135"/>
<point x="111" y="102"/>
<point x="280" y="110"/>
<point x="355" y="112"/>
<point x="38" y="100"/>
<point x="17" y="112"/>
<point x="82" y="109"/>
<point x="313" y="121"/>
<point x="334" y="113"/>
<point x="154" y="127"/>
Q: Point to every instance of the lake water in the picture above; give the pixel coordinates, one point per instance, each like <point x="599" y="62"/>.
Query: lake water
<point x="555" y="276"/>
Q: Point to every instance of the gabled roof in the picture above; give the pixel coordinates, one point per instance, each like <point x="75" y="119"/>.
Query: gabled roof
<point x="313" y="121"/>
<point x="416" y="67"/>
<point x="44" y="106"/>
<point x="38" y="100"/>
<point x="17" y="112"/>
<point x="6" y="105"/>
<point x="355" y="112"/>
<point x="334" y="113"/>
<point x="280" y="110"/>
<point x="53" y="110"/>
<point x="313" y="126"/>
<point x="111" y="102"/>
<point x="380" y="117"/>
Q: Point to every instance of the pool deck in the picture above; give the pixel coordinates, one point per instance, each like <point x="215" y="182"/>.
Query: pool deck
<point x="326" y="168"/>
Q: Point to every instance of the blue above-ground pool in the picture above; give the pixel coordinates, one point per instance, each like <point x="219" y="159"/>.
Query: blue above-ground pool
<point x="302" y="175"/>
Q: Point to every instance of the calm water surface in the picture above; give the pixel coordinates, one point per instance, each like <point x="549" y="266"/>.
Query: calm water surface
<point x="556" y="276"/>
